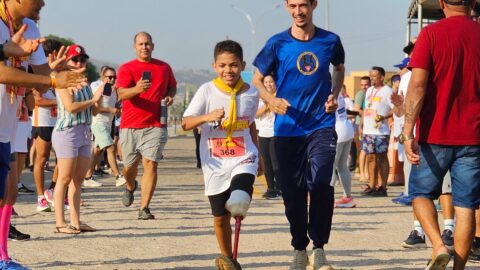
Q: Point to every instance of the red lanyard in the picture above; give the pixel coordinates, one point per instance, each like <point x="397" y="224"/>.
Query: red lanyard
<point x="15" y="61"/>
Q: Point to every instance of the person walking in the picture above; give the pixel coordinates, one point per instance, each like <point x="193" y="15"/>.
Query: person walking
<point x="444" y="97"/>
<point x="142" y="84"/>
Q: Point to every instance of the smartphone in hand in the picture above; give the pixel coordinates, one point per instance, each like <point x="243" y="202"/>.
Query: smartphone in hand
<point x="107" y="90"/>
<point x="146" y="76"/>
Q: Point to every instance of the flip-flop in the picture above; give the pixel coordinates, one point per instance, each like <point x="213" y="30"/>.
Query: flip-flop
<point x="440" y="262"/>
<point x="67" y="229"/>
<point x="84" y="228"/>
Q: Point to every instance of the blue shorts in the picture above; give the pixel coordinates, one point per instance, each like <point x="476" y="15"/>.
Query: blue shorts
<point x="375" y="144"/>
<point x="4" y="167"/>
<point x="435" y="160"/>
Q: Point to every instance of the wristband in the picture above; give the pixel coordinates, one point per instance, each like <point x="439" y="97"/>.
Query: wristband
<point x="53" y="81"/>
<point x="2" y="53"/>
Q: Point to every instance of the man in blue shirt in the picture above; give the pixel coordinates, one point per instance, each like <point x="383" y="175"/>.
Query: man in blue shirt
<point x="305" y="140"/>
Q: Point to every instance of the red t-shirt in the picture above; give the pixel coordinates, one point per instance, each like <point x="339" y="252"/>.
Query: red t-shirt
<point x="143" y="110"/>
<point x="450" y="50"/>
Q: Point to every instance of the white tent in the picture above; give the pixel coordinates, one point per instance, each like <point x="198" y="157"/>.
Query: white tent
<point x="423" y="12"/>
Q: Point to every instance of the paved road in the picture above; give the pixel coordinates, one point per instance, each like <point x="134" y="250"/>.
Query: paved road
<point x="181" y="236"/>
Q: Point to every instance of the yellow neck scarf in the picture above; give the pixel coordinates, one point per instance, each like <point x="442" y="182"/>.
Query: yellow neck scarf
<point x="230" y="123"/>
<point x="6" y="18"/>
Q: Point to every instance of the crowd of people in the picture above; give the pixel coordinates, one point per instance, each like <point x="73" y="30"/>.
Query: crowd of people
<point x="295" y="123"/>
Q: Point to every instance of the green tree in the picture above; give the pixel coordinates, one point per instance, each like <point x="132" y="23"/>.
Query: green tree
<point x="92" y="73"/>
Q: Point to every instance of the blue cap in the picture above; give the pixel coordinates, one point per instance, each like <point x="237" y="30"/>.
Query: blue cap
<point x="403" y="64"/>
<point x="395" y="78"/>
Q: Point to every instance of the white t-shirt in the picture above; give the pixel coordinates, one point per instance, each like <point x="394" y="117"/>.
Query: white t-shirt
<point x="218" y="165"/>
<point x="45" y="116"/>
<point x="377" y="102"/>
<point x="265" y="122"/>
<point x="8" y="110"/>
<point x="105" y="102"/>
<point x="343" y="127"/>
<point x="399" y="122"/>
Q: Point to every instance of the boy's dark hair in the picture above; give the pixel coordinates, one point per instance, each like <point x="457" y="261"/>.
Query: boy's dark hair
<point x="51" y="45"/>
<point x="365" y="78"/>
<point x="229" y="46"/>
<point x="380" y="70"/>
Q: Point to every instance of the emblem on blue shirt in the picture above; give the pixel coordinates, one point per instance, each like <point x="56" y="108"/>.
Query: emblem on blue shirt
<point x="307" y="63"/>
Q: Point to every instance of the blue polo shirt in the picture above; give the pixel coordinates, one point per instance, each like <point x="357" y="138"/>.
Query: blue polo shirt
<point x="301" y="72"/>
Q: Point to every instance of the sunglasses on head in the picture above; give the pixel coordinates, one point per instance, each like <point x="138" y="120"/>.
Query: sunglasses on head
<point x="80" y="58"/>
<point x="113" y="77"/>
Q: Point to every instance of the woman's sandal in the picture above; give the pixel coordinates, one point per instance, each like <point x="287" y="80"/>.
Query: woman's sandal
<point x="67" y="229"/>
<point x="84" y="227"/>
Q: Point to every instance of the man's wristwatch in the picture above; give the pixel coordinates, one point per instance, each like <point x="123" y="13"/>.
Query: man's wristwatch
<point x="403" y="138"/>
<point x="2" y="53"/>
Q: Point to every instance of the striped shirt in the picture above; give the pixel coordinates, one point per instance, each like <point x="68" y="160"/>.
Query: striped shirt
<point x="65" y="119"/>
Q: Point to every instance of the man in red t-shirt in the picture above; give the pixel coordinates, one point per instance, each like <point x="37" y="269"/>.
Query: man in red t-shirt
<point x="444" y="95"/>
<point x="142" y="84"/>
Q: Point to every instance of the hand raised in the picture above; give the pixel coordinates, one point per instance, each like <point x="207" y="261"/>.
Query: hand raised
<point x="18" y="46"/>
<point x="331" y="105"/>
<point x="215" y="115"/>
<point x="58" y="60"/>
<point x="98" y="94"/>
<point x="397" y="100"/>
<point x="71" y="79"/>
<point x="144" y="85"/>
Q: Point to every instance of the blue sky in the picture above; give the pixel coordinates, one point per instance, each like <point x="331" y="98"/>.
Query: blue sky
<point x="185" y="31"/>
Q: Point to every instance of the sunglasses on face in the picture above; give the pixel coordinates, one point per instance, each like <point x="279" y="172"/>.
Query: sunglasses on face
<point x="80" y="59"/>
<point x="113" y="77"/>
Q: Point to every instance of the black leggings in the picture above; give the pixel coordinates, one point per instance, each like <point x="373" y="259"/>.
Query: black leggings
<point x="267" y="150"/>
<point x="196" y="134"/>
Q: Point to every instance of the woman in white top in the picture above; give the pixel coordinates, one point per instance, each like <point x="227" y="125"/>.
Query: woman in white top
<point x="264" y="122"/>
<point x="345" y="133"/>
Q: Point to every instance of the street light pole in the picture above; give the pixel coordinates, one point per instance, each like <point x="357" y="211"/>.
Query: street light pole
<point x="252" y="25"/>
<point x="327" y="15"/>
<point x="252" y="28"/>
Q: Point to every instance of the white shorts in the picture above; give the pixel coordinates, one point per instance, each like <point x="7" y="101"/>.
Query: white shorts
<point x="24" y="131"/>
<point x="218" y="175"/>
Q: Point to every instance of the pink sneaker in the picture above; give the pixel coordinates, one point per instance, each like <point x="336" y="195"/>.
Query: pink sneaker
<point x="66" y="205"/>
<point x="48" y="193"/>
<point x="345" y="202"/>
<point x="43" y="206"/>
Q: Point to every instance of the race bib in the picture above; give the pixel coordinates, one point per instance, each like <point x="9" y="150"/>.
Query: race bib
<point x="218" y="149"/>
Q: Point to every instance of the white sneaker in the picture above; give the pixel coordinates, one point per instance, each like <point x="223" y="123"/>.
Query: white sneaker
<point x="120" y="181"/>
<point x="90" y="182"/>
<point x="320" y="260"/>
<point x="300" y="260"/>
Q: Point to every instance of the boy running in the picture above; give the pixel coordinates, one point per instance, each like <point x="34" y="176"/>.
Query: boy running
<point x="225" y="109"/>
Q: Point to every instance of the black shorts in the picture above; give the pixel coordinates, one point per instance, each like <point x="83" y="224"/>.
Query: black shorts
<point x="45" y="133"/>
<point x="115" y="130"/>
<point x="242" y="181"/>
